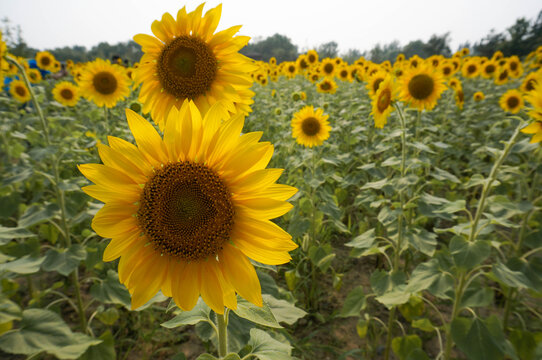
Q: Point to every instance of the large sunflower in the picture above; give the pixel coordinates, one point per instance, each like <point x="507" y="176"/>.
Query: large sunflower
<point x="382" y="102"/>
<point x="19" y="91"/>
<point x="104" y="83"/>
<point x="66" y="93"/>
<point x="310" y="128"/>
<point x="187" y="60"/>
<point x="45" y="60"/>
<point x="186" y="212"/>
<point x="421" y="87"/>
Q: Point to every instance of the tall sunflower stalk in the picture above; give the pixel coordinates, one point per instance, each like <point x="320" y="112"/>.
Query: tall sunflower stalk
<point x="59" y="193"/>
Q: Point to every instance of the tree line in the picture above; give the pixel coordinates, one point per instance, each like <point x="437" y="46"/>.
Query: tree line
<point x="519" y="39"/>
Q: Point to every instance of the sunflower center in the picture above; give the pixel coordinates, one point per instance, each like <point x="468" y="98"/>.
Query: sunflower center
<point x="512" y="102"/>
<point x="186" y="211"/>
<point x="312" y="58"/>
<point x="325" y="86"/>
<point x="328" y="68"/>
<point x="513" y="66"/>
<point x="66" y="94"/>
<point x="45" y="60"/>
<point x="105" y="83"/>
<point x="187" y="67"/>
<point x="447" y="71"/>
<point x="421" y="86"/>
<point x="503" y="75"/>
<point x="21" y="91"/>
<point x="376" y="84"/>
<point x="471" y="69"/>
<point x="310" y="126"/>
<point x="530" y="85"/>
<point x="490" y="69"/>
<point x="384" y="100"/>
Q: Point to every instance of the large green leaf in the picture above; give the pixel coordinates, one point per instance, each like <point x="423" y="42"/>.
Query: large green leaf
<point x="422" y="240"/>
<point x="264" y="347"/>
<point x="200" y="312"/>
<point x="23" y="265"/>
<point x="258" y="315"/>
<point x="10" y="233"/>
<point x="43" y="330"/>
<point x="37" y="213"/>
<point x="466" y="254"/>
<point x="363" y="241"/>
<point x="403" y="346"/>
<point x="64" y="261"/>
<point x="283" y="310"/>
<point x="424" y="275"/>
<point x="475" y="339"/>
<point x="111" y="291"/>
<point x="9" y="310"/>
<point x="102" y="351"/>
<point x="355" y="302"/>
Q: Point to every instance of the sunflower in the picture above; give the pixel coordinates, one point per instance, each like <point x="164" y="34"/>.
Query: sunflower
<point x="312" y="57"/>
<point x="511" y="101"/>
<point x="454" y="83"/>
<point x="535" y="98"/>
<point x="515" y="67"/>
<point x="302" y="63"/>
<point x="489" y="69"/>
<point x="186" y="212"/>
<point x="186" y="60"/>
<point x="374" y="82"/>
<point x="290" y="69"/>
<point x="536" y="129"/>
<point x="459" y="98"/>
<point x="34" y="76"/>
<point x="478" y="96"/>
<point x="104" y="83"/>
<point x="310" y="128"/>
<point x="531" y="81"/>
<point x="66" y="93"/>
<point x="327" y="86"/>
<point x="343" y="73"/>
<point x="327" y="67"/>
<point x="19" y="91"/>
<point x="272" y="61"/>
<point x="313" y="76"/>
<point x="421" y="87"/>
<point x="45" y="60"/>
<point x="501" y="77"/>
<point x="471" y="68"/>
<point x="382" y="102"/>
<point x="447" y="68"/>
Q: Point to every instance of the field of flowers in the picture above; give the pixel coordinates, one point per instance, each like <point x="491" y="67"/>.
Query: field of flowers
<point x="203" y="205"/>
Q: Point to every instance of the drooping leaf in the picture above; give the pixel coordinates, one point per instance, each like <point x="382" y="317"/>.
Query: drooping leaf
<point x="200" y="312"/>
<point x="264" y="347"/>
<point x="64" y="261"/>
<point x="259" y="315"/>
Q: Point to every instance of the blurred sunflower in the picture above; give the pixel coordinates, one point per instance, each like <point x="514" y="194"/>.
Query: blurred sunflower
<point x="471" y="68"/>
<point x="66" y="93"/>
<point x="531" y="80"/>
<point x="343" y="73"/>
<point x="186" y="212"/>
<point x="478" y="96"/>
<point x="327" y="67"/>
<point x="45" y="60"/>
<point x="421" y="87"/>
<point x="459" y="96"/>
<point x="312" y="57"/>
<point x="447" y="68"/>
<point x="374" y="82"/>
<point x="104" y="83"/>
<point x="489" y="69"/>
<point x="34" y="76"/>
<point x="515" y="67"/>
<point x="511" y="101"/>
<point x="19" y="91"/>
<point x="187" y="60"/>
<point x="290" y="69"/>
<point x="536" y="129"/>
<point x="501" y="77"/>
<point x="382" y="102"/>
<point x="327" y="86"/>
<point x="309" y="127"/>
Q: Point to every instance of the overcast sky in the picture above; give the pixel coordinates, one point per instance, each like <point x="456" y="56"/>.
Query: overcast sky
<point x="352" y="24"/>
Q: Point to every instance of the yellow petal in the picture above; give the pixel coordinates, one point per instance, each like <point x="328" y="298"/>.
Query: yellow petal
<point x="240" y="273"/>
<point x="532" y="128"/>
<point x="118" y="245"/>
<point x="114" y="159"/>
<point x="259" y="179"/>
<point x="114" y="220"/>
<point x="147" y="139"/>
<point x="262" y="255"/>
<point x="210" y="287"/>
<point x="275" y="191"/>
<point x="262" y="208"/>
<point x="147" y="279"/>
<point x="186" y="284"/>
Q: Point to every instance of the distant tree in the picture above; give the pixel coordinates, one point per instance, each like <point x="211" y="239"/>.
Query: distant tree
<point x="416" y="47"/>
<point x="329" y="49"/>
<point x="351" y="55"/>
<point x="278" y="46"/>
<point x="438" y="45"/>
<point x="13" y="36"/>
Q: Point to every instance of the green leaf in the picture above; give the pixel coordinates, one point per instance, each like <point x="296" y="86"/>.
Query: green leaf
<point x="421" y="146"/>
<point x="413" y="308"/>
<point x="363" y="241"/>
<point x="37" y="213"/>
<point x="383" y="281"/>
<point x="362" y="327"/>
<point x="102" y="351"/>
<point x="206" y="357"/>
<point x="23" y="265"/>
<point x="355" y="302"/>
<point x="232" y="356"/>
<point x="442" y="175"/>
<point x="511" y="278"/>
<point x="43" y="330"/>
<point x="64" y="261"/>
<point x="7" y="234"/>
<point x="264" y="347"/>
<point x="451" y="207"/>
<point x="200" y="312"/>
<point x="474" y="339"/>
<point x="259" y="315"/>
<point x="375" y="184"/>
<point x="466" y="254"/>
<point x="283" y="310"/>
<point x="417" y="354"/>
<point x="525" y="344"/>
<point x="111" y="291"/>
<point x="9" y="310"/>
<point x="396" y="296"/>
<point x="423" y="276"/>
<point x="477" y="296"/>
<point x="423" y="324"/>
<point x="404" y="345"/>
<point x="422" y="240"/>
<point x="109" y="316"/>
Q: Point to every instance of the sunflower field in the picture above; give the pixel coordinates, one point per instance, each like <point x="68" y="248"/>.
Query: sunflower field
<point x="203" y="205"/>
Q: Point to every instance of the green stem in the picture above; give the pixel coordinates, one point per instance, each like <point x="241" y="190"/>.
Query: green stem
<point x="59" y="192"/>
<point x="455" y="311"/>
<point x="389" y="334"/>
<point x="222" y="325"/>
<point x="509" y="300"/>
<point x="492" y="177"/>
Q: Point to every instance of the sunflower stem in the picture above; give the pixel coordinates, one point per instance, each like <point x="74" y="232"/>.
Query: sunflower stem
<point x="222" y="325"/>
<point x="59" y="192"/>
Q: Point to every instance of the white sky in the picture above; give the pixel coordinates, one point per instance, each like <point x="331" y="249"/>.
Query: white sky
<point x="352" y="24"/>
